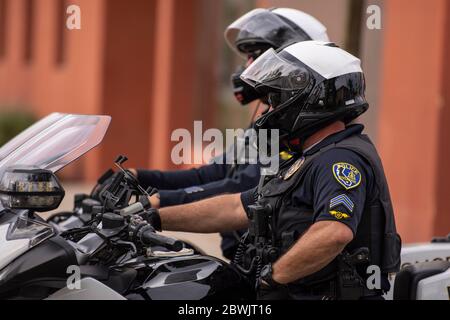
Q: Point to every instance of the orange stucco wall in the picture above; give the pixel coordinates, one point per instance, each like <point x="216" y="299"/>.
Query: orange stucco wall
<point x="134" y="61"/>
<point x="412" y="104"/>
<point x="42" y="83"/>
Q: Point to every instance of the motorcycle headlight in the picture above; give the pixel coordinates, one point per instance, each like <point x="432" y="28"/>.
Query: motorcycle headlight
<point x="30" y="189"/>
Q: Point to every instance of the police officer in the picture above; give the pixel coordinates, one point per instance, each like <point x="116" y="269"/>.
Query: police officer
<point x="249" y="36"/>
<point x="316" y="226"/>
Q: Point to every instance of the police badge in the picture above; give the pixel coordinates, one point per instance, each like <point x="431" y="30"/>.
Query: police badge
<point x="294" y="168"/>
<point x="347" y="175"/>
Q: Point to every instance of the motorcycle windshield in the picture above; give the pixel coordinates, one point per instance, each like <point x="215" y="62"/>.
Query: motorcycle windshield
<point x="54" y="142"/>
<point x="28" y="133"/>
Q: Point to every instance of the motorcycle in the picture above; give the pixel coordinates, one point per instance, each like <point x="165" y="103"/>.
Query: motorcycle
<point x="424" y="272"/>
<point x="108" y="246"/>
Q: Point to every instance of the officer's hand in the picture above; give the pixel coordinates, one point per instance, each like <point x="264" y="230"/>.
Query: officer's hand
<point x="155" y="201"/>
<point x="133" y="171"/>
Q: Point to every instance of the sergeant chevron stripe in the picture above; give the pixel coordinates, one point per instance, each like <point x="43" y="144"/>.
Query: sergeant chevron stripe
<point x="344" y="200"/>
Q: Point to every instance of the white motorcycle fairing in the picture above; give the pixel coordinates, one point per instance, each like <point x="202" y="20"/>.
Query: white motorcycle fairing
<point x="436" y="287"/>
<point x="423" y="252"/>
<point x="89" y="289"/>
<point x="10" y="249"/>
<point x="412" y="254"/>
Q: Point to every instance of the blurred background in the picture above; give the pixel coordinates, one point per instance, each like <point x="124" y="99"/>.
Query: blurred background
<point x="158" y="65"/>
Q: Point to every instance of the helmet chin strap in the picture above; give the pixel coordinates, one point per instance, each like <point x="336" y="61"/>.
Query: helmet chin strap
<point x="265" y="111"/>
<point x="297" y="140"/>
<point x="255" y="113"/>
<point x="298" y="144"/>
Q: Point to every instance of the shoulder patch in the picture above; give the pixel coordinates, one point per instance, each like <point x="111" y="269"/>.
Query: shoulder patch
<point x="339" y="215"/>
<point x="347" y="175"/>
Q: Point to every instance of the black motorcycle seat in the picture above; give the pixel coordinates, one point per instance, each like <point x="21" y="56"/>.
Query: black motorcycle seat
<point x="407" y="280"/>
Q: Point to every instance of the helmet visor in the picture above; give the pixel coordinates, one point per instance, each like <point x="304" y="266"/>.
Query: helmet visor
<point x="260" y="29"/>
<point x="272" y="70"/>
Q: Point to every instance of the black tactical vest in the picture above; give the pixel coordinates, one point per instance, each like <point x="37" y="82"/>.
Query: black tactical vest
<point x="376" y="230"/>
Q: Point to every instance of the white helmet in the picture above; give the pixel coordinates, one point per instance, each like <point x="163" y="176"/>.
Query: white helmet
<point x="261" y="29"/>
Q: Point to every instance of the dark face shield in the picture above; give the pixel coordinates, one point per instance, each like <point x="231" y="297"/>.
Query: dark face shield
<point x="284" y="82"/>
<point x="243" y="92"/>
<point x="261" y="29"/>
<point x="274" y="73"/>
<point x="310" y="85"/>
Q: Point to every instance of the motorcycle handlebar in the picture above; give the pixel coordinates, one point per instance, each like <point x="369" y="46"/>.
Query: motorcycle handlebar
<point x="149" y="237"/>
<point x="131" y="209"/>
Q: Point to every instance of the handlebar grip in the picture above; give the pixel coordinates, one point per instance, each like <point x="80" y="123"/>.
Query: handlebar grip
<point x="150" y="237"/>
<point x="131" y="209"/>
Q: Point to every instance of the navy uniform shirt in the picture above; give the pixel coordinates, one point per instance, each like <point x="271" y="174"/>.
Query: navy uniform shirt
<point x="336" y="186"/>
<point x="185" y="186"/>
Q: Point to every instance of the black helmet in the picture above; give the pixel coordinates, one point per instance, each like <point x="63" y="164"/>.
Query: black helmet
<point x="262" y="29"/>
<point x="309" y="85"/>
